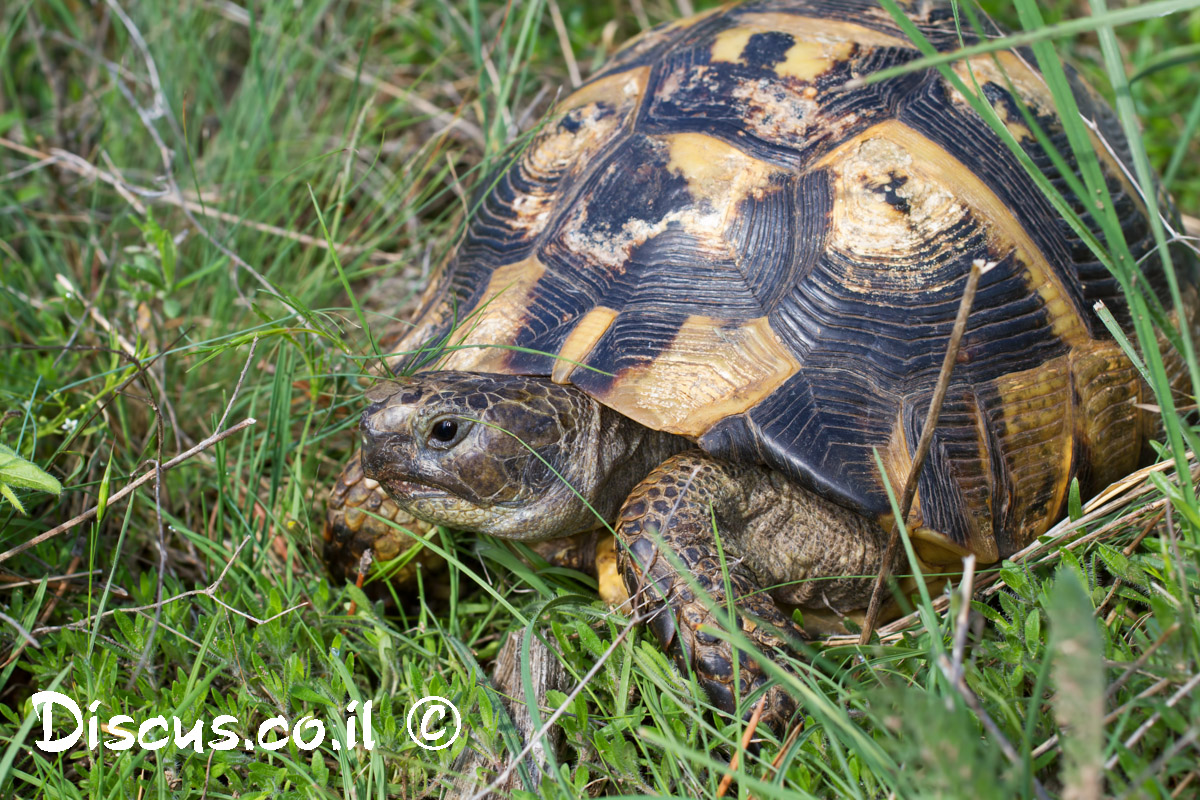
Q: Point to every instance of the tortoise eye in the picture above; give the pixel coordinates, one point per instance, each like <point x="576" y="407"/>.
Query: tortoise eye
<point x="443" y="431"/>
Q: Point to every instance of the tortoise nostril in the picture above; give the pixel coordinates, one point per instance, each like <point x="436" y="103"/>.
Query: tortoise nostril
<point x="382" y="417"/>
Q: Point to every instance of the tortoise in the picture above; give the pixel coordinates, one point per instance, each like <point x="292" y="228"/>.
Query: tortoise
<point x="720" y="276"/>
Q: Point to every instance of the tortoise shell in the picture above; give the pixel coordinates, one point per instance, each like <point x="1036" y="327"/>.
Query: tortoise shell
<point x="725" y="235"/>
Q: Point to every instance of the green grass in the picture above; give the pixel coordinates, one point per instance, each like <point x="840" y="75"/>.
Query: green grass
<point x="321" y="146"/>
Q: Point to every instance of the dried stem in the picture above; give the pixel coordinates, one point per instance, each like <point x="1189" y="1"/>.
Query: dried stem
<point x="209" y="591"/>
<point x="502" y="778"/>
<point x="966" y="589"/>
<point x="978" y="268"/>
<point x="747" y="735"/>
<point x="148" y="476"/>
<point x="972" y="701"/>
<point x="1136" y="736"/>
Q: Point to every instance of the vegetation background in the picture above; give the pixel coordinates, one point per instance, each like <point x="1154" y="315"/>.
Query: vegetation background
<point x="199" y="202"/>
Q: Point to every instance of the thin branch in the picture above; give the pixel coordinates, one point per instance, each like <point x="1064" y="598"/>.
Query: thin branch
<point x="966" y="590"/>
<point x="24" y="634"/>
<point x="144" y="661"/>
<point x="978" y="268"/>
<point x="1110" y="718"/>
<point x="131" y="193"/>
<point x="1136" y="736"/>
<point x="91" y="512"/>
<point x="209" y="591"/>
<point x="55" y="579"/>
<point x="564" y="42"/>
<point x="355" y="72"/>
<point x="1153" y="769"/>
<point x="747" y="735"/>
<point x="1142" y="659"/>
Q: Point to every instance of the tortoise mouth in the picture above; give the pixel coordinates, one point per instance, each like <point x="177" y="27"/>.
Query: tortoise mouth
<point x="412" y="490"/>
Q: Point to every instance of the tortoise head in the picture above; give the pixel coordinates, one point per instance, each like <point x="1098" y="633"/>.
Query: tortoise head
<point x="485" y="452"/>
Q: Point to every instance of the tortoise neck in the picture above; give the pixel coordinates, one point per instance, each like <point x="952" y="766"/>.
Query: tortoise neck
<point x="626" y="452"/>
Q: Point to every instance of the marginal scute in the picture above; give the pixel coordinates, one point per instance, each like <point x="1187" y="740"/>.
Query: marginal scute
<point x="936" y="549"/>
<point x="1033" y="416"/>
<point x="1014" y="73"/>
<point x="621" y="90"/>
<point x="559" y="152"/>
<point x="1107" y="387"/>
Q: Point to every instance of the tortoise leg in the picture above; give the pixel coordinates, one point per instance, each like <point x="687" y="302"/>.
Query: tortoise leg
<point x="772" y="532"/>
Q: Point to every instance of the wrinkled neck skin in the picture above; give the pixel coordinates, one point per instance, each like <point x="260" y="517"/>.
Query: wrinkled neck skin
<point x="615" y="455"/>
<point x="525" y="459"/>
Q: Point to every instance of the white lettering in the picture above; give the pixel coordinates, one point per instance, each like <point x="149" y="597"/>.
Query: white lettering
<point x="93" y="726"/>
<point x="308" y="722"/>
<point x="273" y="722"/>
<point x="231" y="739"/>
<point x="125" y="738"/>
<point x="193" y="737"/>
<point x="425" y="732"/>
<point x="368" y="739"/>
<point x="47" y="700"/>
<point x="146" y="727"/>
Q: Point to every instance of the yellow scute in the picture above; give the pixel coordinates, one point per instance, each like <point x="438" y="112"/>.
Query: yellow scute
<point x="709" y="372"/>
<point x="805" y="60"/>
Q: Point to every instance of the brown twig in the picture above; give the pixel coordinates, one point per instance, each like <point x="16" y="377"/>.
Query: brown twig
<point x="1184" y="784"/>
<point x="747" y="735"/>
<point x="787" y="745"/>
<point x="159" y="467"/>
<point x="58" y="592"/>
<point x="17" y="583"/>
<point x="978" y="268"/>
<point x="364" y="566"/>
<point x="148" y="476"/>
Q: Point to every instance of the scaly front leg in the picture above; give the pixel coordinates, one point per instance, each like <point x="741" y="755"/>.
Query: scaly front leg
<point x="772" y="531"/>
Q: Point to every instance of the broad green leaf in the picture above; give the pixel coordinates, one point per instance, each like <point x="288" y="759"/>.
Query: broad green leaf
<point x="17" y="471"/>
